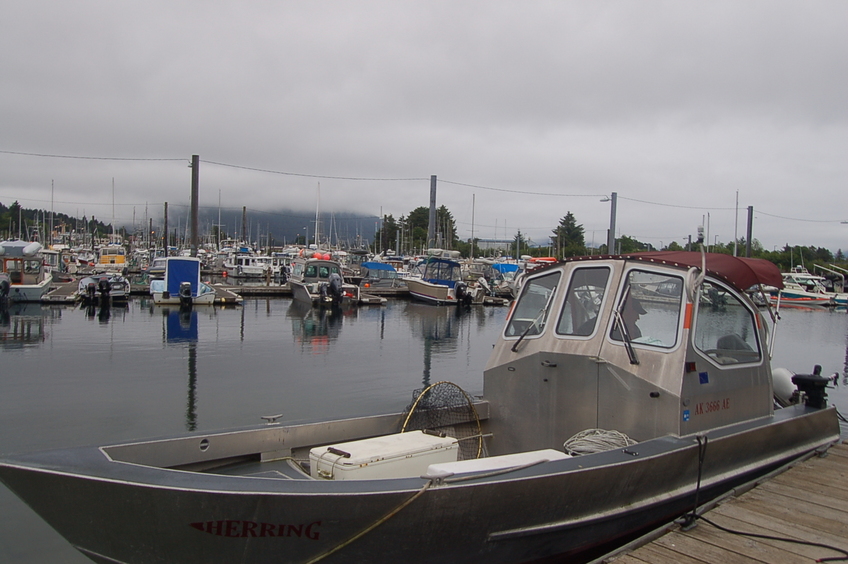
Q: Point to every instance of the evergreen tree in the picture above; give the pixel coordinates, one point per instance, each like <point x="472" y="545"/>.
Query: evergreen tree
<point x="568" y="237"/>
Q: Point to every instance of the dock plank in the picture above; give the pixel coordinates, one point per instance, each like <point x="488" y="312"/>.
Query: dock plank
<point x="808" y="502"/>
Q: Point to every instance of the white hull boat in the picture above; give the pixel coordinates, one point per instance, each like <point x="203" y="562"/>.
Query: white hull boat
<point x="26" y="276"/>
<point x="181" y="285"/>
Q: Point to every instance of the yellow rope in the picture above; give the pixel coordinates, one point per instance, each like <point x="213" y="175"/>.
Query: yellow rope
<point x="373" y="526"/>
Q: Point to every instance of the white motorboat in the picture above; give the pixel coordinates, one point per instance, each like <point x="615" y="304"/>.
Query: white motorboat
<point x="181" y="284"/>
<point x="441" y="284"/>
<point x="319" y="281"/>
<point x="27" y="278"/>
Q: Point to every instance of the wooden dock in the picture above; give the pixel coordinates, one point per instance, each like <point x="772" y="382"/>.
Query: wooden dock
<point x="808" y="502"/>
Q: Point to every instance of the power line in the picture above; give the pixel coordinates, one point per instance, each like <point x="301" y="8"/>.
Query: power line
<point x="375" y="179"/>
<point x="86" y="158"/>
<point x="441" y="181"/>
<point x="304" y="175"/>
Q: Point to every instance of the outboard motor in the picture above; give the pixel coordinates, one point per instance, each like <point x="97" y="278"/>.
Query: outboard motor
<point x="91" y="292"/>
<point x="812" y="387"/>
<point x="335" y="287"/>
<point x="463" y="295"/>
<point x="185" y="295"/>
<point x="104" y="287"/>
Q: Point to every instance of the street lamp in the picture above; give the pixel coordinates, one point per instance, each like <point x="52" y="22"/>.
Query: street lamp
<point x="306" y="237"/>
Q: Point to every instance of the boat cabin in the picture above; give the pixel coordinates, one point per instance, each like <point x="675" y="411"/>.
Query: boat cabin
<point x="111" y="257"/>
<point x="643" y="346"/>
<point x="313" y="270"/>
<point x="22" y="261"/>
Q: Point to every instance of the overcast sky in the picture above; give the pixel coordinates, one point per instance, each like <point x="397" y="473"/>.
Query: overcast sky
<point x="528" y="109"/>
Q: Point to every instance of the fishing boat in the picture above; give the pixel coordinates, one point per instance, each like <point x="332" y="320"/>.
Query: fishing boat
<point x="111" y="258"/>
<point x="103" y="289"/>
<point x="802" y="288"/>
<point x="181" y="284"/>
<point x="319" y="281"/>
<point x="254" y="266"/>
<point x="379" y="275"/>
<point x="27" y="276"/>
<point x="800" y="285"/>
<point x="441" y="283"/>
<point x="676" y="399"/>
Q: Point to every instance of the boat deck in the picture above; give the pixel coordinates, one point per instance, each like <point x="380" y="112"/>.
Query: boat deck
<point x="808" y="502"/>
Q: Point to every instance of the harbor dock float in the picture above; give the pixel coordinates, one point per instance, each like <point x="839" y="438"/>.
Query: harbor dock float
<point x="60" y="292"/>
<point x="807" y="503"/>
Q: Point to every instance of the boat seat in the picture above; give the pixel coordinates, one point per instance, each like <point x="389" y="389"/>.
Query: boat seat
<point x="16" y="277"/>
<point x="732" y="342"/>
<point x="492" y="463"/>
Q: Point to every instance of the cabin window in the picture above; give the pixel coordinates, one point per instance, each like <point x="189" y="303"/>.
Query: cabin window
<point x="32" y="266"/>
<point x="531" y="310"/>
<point x="311" y="271"/>
<point x="323" y="272"/>
<point x="298" y="268"/>
<point x="583" y="301"/>
<point x="725" y="329"/>
<point x="650" y="307"/>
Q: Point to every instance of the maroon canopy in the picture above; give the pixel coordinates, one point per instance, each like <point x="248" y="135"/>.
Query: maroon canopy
<point x="741" y="273"/>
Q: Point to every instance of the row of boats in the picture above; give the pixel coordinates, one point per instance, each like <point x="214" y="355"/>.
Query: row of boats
<point x="661" y="359"/>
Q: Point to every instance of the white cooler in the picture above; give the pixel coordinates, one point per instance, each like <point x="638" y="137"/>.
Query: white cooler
<point x="402" y="455"/>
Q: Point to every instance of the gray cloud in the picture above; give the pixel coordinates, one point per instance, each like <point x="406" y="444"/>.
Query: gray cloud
<point x="681" y="104"/>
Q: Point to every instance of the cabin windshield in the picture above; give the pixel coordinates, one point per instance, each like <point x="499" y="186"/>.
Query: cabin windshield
<point x="650" y="306"/>
<point x="440" y="270"/>
<point x="531" y="311"/>
<point x="583" y="301"/>
<point x="725" y="329"/>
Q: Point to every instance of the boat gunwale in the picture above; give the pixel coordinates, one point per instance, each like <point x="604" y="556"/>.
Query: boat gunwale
<point x="169" y="478"/>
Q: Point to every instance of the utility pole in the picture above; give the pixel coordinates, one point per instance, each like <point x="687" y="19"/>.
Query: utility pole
<point x="165" y="232"/>
<point x="611" y="233"/>
<point x="750" y="231"/>
<point x="431" y="227"/>
<point x="195" y="181"/>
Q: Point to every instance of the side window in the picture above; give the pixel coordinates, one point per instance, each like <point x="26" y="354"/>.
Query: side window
<point x="725" y="330"/>
<point x="533" y="306"/>
<point x="583" y="301"/>
<point x="649" y="307"/>
<point x="311" y="271"/>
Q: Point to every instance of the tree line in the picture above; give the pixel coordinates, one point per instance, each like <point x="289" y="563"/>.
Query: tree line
<point x="409" y="232"/>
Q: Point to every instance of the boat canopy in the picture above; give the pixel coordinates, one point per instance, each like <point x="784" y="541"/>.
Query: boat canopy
<point x="503" y="268"/>
<point x="378" y="270"/>
<point x="740" y="272"/>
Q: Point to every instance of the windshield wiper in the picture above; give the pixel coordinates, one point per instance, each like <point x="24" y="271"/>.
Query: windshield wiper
<point x="622" y="328"/>
<point x="537" y="321"/>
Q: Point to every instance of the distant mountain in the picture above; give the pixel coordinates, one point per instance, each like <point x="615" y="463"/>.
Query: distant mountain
<point x="285" y="226"/>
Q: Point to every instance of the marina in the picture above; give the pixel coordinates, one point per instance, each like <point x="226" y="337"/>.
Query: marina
<point x="451" y="344"/>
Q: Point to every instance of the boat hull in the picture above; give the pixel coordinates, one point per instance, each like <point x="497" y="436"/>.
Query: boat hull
<point x="29" y="292"/>
<point x="127" y="509"/>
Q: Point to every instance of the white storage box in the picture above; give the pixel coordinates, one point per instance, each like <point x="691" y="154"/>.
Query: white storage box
<point x="402" y="455"/>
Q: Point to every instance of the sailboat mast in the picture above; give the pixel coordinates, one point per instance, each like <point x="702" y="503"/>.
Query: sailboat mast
<point x="317" y="212"/>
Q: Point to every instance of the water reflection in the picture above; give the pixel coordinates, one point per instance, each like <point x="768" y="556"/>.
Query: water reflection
<point x="439" y="326"/>
<point x="315" y="328"/>
<point x="104" y="313"/>
<point x="22" y="325"/>
<point x="180" y="328"/>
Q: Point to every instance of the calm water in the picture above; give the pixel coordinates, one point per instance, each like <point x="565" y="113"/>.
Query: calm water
<point x="70" y="377"/>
